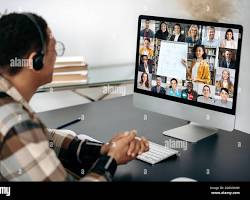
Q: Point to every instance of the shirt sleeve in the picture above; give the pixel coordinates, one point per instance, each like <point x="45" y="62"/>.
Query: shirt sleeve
<point x="76" y="155"/>
<point x="82" y="157"/>
<point x="207" y="78"/>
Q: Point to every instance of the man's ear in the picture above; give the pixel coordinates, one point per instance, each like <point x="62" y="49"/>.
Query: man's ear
<point x="30" y="60"/>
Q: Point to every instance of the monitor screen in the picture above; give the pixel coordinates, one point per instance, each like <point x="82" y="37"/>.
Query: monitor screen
<point x="191" y="62"/>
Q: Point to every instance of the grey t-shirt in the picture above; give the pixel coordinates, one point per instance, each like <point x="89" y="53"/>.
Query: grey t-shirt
<point x="202" y="99"/>
<point x="227" y="104"/>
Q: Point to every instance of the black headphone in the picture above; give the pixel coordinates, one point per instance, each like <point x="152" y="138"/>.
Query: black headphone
<point x="38" y="58"/>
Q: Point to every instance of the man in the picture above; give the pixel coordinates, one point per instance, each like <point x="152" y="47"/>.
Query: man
<point x="223" y="102"/>
<point x="145" y="66"/>
<point x="173" y="89"/>
<point x="177" y="36"/>
<point x="189" y="93"/>
<point x="205" y="98"/>
<point x="25" y="153"/>
<point x="147" y="32"/>
<point x="158" y="89"/>
<point x="146" y="50"/>
<point x="211" y="41"/>
<point x="227" y="61"/>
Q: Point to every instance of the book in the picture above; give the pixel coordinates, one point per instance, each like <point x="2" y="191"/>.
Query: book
<point x="68" y="71"/>
<point x="75" y="60"/>
<point x="70" y="68"/>
<point x="70" y="76"/>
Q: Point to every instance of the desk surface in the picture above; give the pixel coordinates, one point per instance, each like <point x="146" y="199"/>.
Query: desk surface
<point x="219" y="154"/>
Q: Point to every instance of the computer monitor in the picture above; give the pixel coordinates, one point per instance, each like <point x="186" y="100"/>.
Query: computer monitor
<point x="189" y="70"/>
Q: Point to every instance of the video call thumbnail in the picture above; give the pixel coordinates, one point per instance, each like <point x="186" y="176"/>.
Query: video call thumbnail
<point x="188" y="61"/>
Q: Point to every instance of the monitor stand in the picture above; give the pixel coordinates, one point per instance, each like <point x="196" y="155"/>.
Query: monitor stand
<point x="191" y="132"/>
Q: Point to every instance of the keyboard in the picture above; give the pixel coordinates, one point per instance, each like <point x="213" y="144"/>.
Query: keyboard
<point x="156" y="153"/>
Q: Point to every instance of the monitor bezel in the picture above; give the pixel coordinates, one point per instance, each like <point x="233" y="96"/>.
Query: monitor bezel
<point x="177" y="99"/>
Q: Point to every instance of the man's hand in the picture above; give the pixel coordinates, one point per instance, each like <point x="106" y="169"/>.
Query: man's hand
<point x="138" y="146"/>
<point x="125" y="147"/>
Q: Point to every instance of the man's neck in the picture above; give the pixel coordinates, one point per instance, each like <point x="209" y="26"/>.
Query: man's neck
<point x="23" y="85"/>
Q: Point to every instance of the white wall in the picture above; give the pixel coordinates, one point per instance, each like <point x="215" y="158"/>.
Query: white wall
<point x="104" y="31"/>
<point x="243" y="104"/>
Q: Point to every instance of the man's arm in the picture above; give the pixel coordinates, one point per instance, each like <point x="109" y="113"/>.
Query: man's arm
<point x="25" y="153"/>
<point x="76" y="155"/>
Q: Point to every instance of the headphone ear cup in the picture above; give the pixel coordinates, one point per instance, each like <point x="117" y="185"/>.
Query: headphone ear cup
<point x="38" y="62"/>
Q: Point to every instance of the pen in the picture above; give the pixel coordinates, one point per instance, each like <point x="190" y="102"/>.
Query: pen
<point x="69" y="123"/>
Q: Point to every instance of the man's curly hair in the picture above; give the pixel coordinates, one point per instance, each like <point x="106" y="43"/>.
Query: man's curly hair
<point x="19" y="37"/>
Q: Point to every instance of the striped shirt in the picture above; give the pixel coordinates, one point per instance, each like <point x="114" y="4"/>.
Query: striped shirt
<point x="31" y="152"/>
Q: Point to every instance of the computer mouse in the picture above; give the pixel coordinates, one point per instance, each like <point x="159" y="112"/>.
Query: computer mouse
<point x="183" y="179"/>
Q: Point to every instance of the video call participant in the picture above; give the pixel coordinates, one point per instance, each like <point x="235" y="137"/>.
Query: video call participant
<point x="144" y="82"/>
<point x="25" y="153"/>
<point x="147" y="32"/>
<point x="206" y="96"/>
<point x="193" y="35"/>
<point x="158" y="88"/>
<point x="229" y="41"/>
<point x="146" y="50"/>
<point x="227" y="61"/>
<point x="223" y="102"/>
<point x="211" y="41"/>
<point x="173" y="89"/>
<point x="199" y="70"/>
<point x="177" y="36"/>
<point x="145" y="66"/>
<point x="162" y="33"/>
<point x="189" y="93"/>
<point x="225" y="82"/>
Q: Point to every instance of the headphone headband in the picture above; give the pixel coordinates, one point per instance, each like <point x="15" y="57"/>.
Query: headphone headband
<point x="38" y="58"/>
<point x="33" y="20"/>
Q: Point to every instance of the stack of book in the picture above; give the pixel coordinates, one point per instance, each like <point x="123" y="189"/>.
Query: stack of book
<point x="69" y="71"/>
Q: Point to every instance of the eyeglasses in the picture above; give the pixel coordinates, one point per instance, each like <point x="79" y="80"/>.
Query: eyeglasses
<point x="60" y="48"/>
